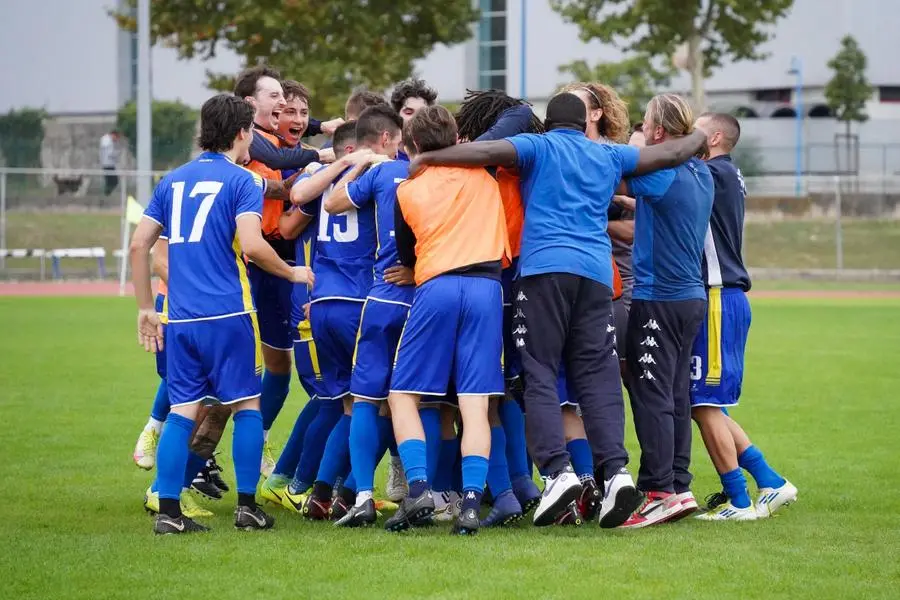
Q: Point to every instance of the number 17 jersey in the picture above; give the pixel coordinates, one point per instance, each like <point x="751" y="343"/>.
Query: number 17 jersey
<point x="198" y="205"/>
<point x="344" y="261"/>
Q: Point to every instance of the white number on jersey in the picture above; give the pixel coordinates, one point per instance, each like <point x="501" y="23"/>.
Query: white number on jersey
<point x="211" y="189"/>
<point x="696" y="368"/>
<point x="331" y="229"/>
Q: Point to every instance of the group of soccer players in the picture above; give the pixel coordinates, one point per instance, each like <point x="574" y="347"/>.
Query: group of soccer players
<point x="457" y="292"/>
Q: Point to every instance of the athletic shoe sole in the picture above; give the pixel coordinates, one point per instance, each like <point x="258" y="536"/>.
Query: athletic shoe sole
<point x="552" y="513"/>
<point x="628" y="499"/>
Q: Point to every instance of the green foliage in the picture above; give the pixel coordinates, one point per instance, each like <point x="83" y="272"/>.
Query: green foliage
<point x="174" y="126"/>
<point x="21" y="136"/>
<point x="635" y="79"/>
<point x="330" y="46"/>
<point x="849" y="90"/>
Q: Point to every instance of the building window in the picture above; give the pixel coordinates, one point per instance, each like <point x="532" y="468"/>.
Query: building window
<point x="492" y="45"/>
<point x="773" y="95"/>
<point x="889" y="93"/>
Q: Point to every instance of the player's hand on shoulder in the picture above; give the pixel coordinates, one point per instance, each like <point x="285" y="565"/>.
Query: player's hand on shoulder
<point x="416" y="165"/>
<point x="150" y="331"/>
<point x="303" y="275"/>
<point x="626" y="202"/>
<point x="399" y="275"/>
<point x="359" y="157"/>
<point x="329" y="127"/>
<point x="326" y="155"/>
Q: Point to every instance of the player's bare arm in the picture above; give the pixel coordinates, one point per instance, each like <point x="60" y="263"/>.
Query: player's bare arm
<point x="400" y="275"/>
<point x="328" y="127"/>
<point x="338" y="200"/>
<point x="161" y="260"/>
<point x="622" y="231"/>
<point x="260" y="252"/>
<point x="626" y="202"/>
<point x="280" y="190"/>
<point x="291" y="224"/>
<point x="670" y="153"/>
<point x="150" y="333"/>
<point x="500" y="153"/>
<point x="309" y="189"/>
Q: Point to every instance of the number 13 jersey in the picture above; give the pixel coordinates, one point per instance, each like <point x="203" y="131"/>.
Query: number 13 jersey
<point x="198" y="205"/>
<point x="344" y="261"/>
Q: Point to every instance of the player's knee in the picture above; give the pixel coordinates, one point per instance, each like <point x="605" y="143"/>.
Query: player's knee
<point x="251" y="404"/>
<point x="494" y="412"/>
<point x="277" y="361"/>
<point x="706" y="416"/>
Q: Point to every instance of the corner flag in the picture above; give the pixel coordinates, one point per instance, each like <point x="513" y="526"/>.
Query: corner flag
<point x="133" y="211"/>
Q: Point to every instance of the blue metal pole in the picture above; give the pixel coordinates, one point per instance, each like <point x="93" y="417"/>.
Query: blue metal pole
<point x="798" y="71"/>
<point x="523" y="50"/>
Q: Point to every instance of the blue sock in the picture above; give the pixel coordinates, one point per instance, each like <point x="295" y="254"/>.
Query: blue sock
<point x="474" y="475"/>
<point x="172" y="455"/>
<point x="581" y="457"/>
<point x="246" y="449"/>
<point x="336" y="458"/>
<point x="735" y="486"/>
<point x="456" y="472"/>
<point x="290" y="455"/>
<point x="414" y="457"/>
<point x="514" y="427"/>
<point x="330" y="412"/>
<point x="350" y="482"/>
<point x="386" y="437"/>
<point x="753" y="461"/>
<point x="195" y="462"/>
<point x="431" y="423"/>
<point x="365" y="441"/>
<point x="498" y="471"/>
<point x="161" y="405"/>
<point x="443" y="478"/>
<point x="275" y="388"/>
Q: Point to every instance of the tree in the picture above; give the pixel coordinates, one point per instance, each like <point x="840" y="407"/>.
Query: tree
<point x="21" y="137"/>
<point x="330" y="46"/>
<point x="708" y="31"/>
<point x="174" y="128"/>
<point x="635" y="79"/>
<point x="849" y="90"/>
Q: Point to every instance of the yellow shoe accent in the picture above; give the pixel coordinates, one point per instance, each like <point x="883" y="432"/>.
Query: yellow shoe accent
<point x="293" y="502"/>
<point x="272" y="494"/>
<point x="386" y="506"/>
<point x="268" y="460"/>
<point x="191" y="509"/>
<point x="145" y="449"/>
<point x="151" y="501"/>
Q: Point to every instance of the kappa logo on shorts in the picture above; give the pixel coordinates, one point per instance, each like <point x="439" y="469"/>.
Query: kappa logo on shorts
<point x="519" y="314"/>
<point x="651" y="324"/>
<point x="520" y="343"/>
<point x="522" y="297"/>
<point x="650" y="341"/>
<point x="647" y="375"/>
<point x="520" y="330"/>
<point x="610" y="329"/>
<point x="647" y="359"/>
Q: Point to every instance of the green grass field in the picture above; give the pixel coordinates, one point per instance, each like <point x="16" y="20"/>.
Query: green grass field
<point x="820" y="401"/>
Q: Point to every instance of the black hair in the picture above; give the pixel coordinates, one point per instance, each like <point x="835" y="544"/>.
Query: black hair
<point x="344" y="134"/>
<point x="412" y="88"/>
<point x="247" y="80"/>
<point x="565" y="111"/>
<point x="374" y="121"/>
<point x="221" y="118"/>
<point x="480" y="110"/>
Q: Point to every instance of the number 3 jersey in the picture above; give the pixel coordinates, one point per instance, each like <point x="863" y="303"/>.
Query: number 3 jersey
<point x="344" y="260"/>
<point x="198" y="205"/>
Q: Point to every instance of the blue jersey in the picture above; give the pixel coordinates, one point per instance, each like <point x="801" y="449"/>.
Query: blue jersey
<point x="670" y="225"/>
<point x="345" y="253"/>
<point x="304" y="251"/>
<point x="378" y="187"/>
<point x="723" y="263"/>
<point x="197" y="205"/>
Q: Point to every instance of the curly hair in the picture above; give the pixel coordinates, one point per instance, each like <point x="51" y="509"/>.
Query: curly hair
<point x="480" y="110"/>
<point x="614" y="124"/>
<point x="412" y="88"/>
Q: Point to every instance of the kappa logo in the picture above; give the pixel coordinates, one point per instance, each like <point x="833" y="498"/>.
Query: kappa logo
<point x="520" y="330"/>
<point x="519" y="314"/>
<point x="646" y="359"/>
<point x="652" y="324"/>
<point x="647" y="375"/>
<point x="522" y="297"/>
<point x="610" y="329"/>
<point x="650" y="341"/>
<point x="520" y="343"/>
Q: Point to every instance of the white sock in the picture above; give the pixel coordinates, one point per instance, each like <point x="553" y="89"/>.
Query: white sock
<point x="266" y="435"/>
<point x="361" y="497"/>
<point x="154" y="425"/>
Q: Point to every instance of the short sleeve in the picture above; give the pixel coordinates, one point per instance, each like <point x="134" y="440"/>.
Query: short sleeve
<point x="526" y="146"/>
<point x="627" y="157"/>
<point x="651" y="186"/>
<point x="361" y="190"/>
<point x="249" y="196"/>
<point x="156" y="210"/>
<point x="311" y="209"/>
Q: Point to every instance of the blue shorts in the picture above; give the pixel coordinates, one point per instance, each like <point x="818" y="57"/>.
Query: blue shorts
<point x="335" y="324"/>
<point x="306" y="359"/>
<point x="161" y="355"/>
<point x="566" y="392"/>
<point x="272" y="299"/>
<point x="216" y="358"/>
<point x="717" y="361"/>
<point x="376" y="346"/>
<point x="454" y="331"/>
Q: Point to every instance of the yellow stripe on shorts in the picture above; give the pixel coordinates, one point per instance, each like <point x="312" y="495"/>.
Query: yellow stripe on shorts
<point x="304" y="330"/>
<point x="714" y="338"/>
<point x="257" y="341"/>
<point x="362" y="315"/>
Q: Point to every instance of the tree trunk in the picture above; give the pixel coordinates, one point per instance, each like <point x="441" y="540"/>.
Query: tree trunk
<point x="695" y="62"/>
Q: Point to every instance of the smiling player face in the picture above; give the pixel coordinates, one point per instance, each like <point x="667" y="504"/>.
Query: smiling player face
<point x="268" y="102"/>
<point x="293" y="120"/>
